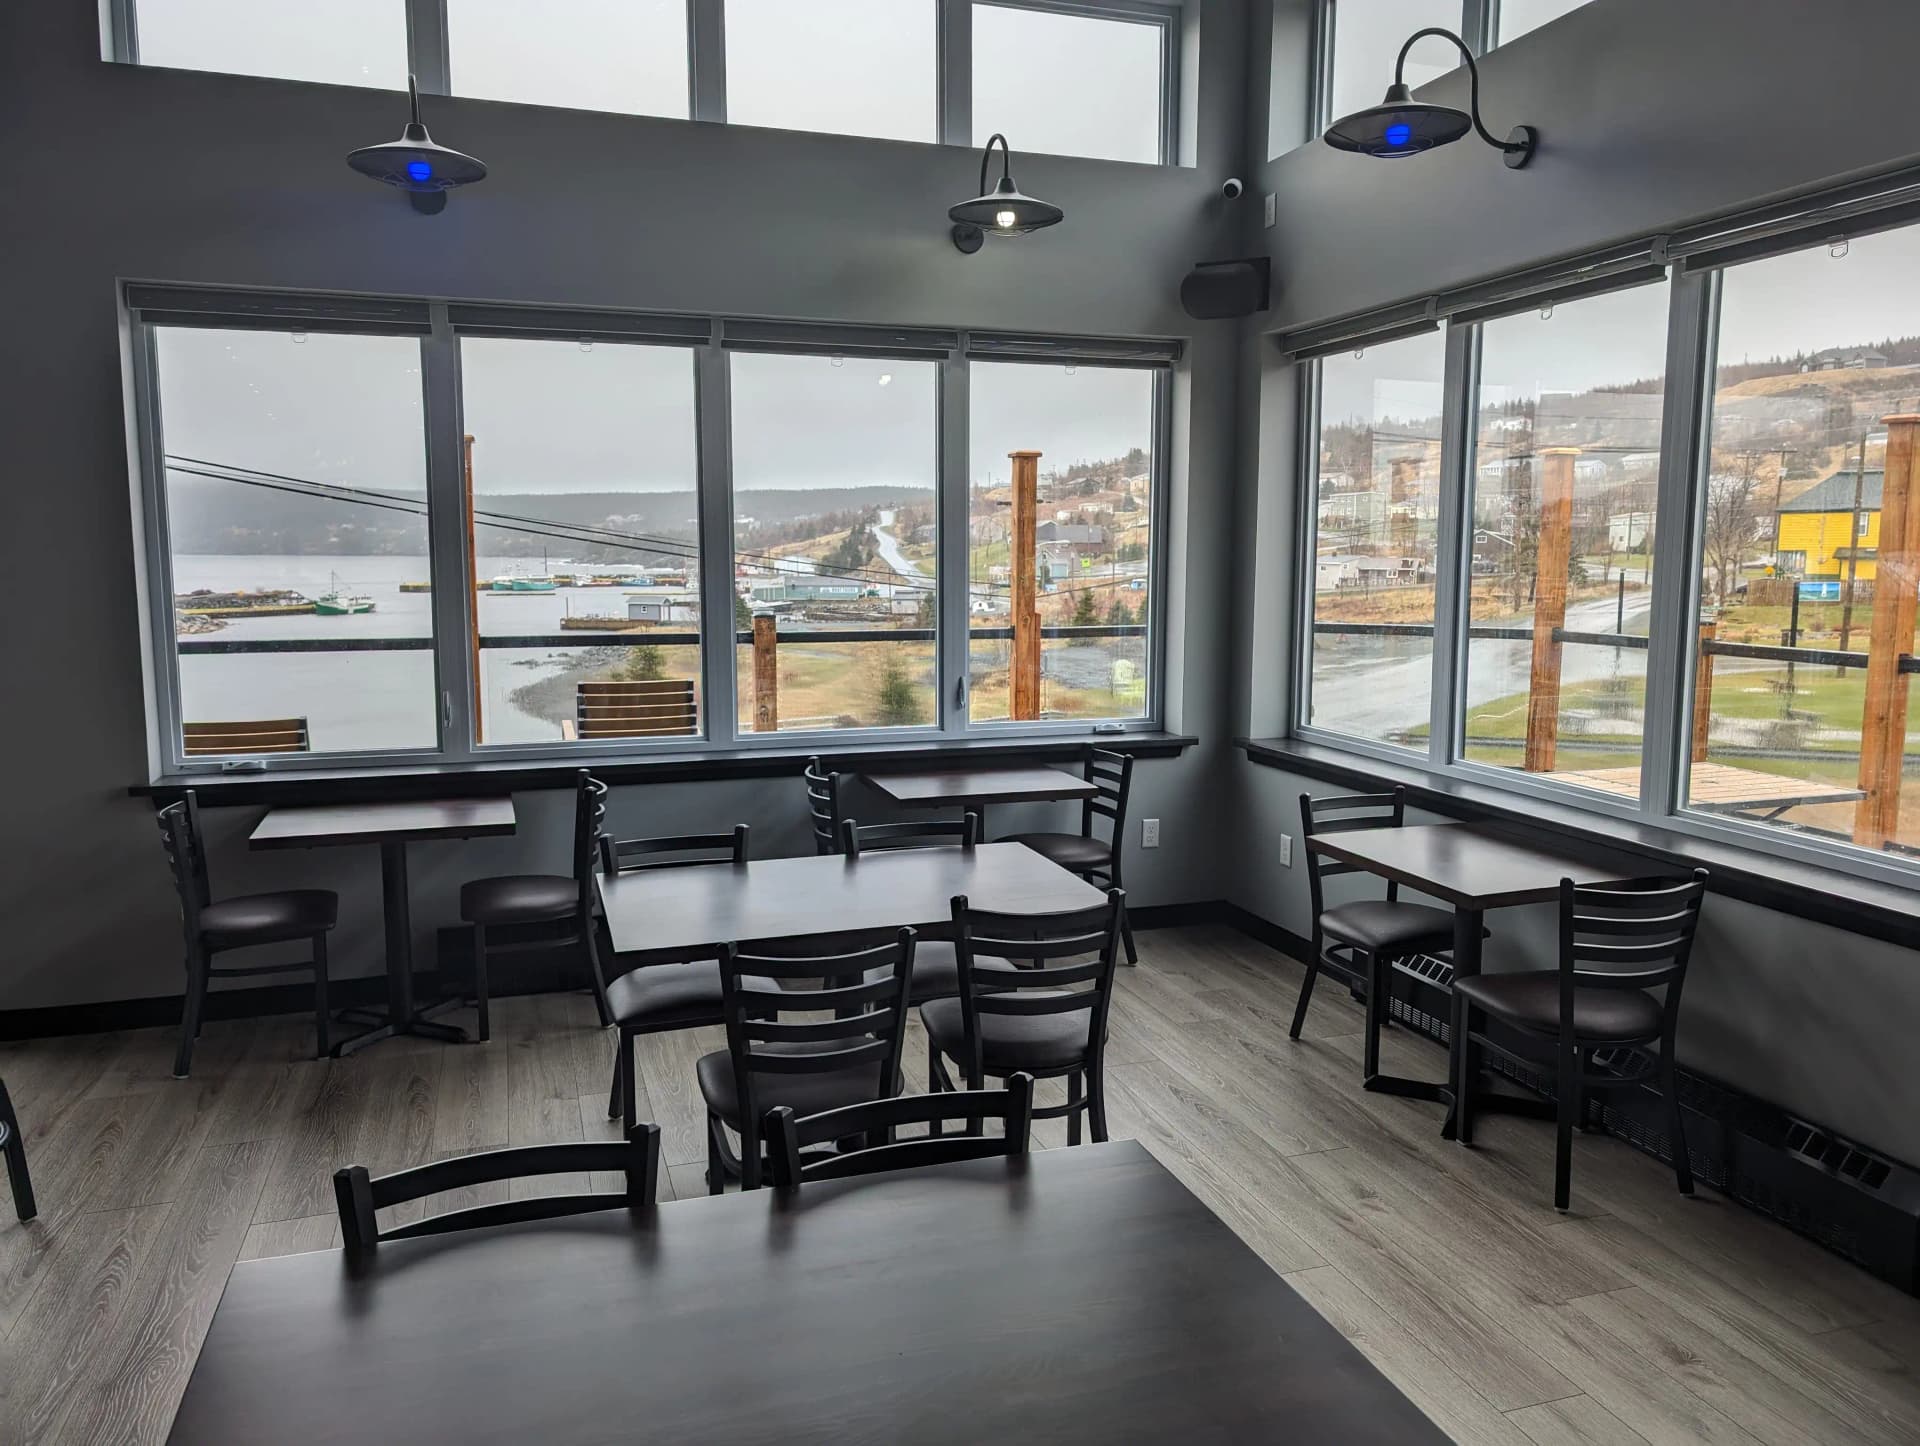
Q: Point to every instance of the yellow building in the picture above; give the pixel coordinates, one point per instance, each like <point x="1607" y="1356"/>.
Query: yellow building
<point x="1816" y="533"/>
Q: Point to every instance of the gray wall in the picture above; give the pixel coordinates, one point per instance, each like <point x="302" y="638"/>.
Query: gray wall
<point x="1652" y="112"/>
<point x="113" y="172"/>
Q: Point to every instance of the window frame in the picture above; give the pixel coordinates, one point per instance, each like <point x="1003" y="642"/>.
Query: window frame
<point x="429" y="57"/>
<point x="1695" y="272"/>
<point x="146" y="306"/>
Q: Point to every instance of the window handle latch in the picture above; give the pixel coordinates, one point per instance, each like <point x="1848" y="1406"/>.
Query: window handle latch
<point x="446" y="710"/>
<point x="960" y="692"/>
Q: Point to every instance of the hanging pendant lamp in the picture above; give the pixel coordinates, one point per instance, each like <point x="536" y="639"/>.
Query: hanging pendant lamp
<point x="414" y="163"/>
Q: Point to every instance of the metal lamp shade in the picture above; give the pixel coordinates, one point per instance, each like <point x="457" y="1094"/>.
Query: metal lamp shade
<point x="1029" y="214"/>
<point x="1399" y="126"/>
<point x="415" y="163"/>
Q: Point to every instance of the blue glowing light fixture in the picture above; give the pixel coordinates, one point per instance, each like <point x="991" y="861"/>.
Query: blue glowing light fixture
<point x="1403" y="126"/>
<point x="415" y="164"/>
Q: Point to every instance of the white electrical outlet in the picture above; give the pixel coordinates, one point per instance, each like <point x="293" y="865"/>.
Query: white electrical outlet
<point x="1286" y="850"/>
<point x="1149" y="833"/>
<point x="1270" y="208"/>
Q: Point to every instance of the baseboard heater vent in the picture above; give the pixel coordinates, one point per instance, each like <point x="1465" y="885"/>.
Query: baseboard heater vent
<point x="1849" y="1198"/>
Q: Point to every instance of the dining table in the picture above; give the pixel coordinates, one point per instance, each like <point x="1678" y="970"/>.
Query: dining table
<point x="669" y="915"/>
<point x="1474" y="868"/>
<point x="975" y="788"/>
<point x="1071" y="1296"/>
<point x="389" y="825"/>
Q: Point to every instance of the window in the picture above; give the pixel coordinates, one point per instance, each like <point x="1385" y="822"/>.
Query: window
<point x="1374" y="520"/>
<point x="379" y="527"/>
<point x="1815" y="382"/>
<point x="583" y="462"/>
<point x="294" y="506"/>
<point x="627" y="56"/>
<point x="1517" y="17"/>
<point x="836" y="466"/>
<point x="1072" y="84"/>
<point x="1565" y="485"/>
<point x="345" y="42"/>
<point x="856" y="67"/>
<point x="1366" y="37"/>
<point x="1087" y="436"/>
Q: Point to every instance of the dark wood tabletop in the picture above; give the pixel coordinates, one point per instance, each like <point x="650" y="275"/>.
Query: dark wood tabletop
<point x="1474" y="866"/>
<point x="687" y="913"/>
<point x="1082" y="1295"/>
<point x="380" y="823"/>
<point x="981" y="785"/>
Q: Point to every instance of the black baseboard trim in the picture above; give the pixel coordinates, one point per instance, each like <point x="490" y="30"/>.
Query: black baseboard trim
<point x="111" y="1015"/>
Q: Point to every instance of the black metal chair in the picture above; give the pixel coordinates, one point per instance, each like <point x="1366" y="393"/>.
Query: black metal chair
<point x="813" y="1064"/>
<point x="787" y="1135"/>
<point x="1048" y="1020"/>
<point x="659" y="998"/>
<point x="936" y="972"/>
<point x="15" y="1150"/>
<point x="359" y="1195"/>
<point x="823" y="806"/>
<point x="240" y="923"/>
<point x="1094" y="859"/>
<point x="1617" y="942"/>
<point x="1359" y="941"/>
<point x="512" y="899"/>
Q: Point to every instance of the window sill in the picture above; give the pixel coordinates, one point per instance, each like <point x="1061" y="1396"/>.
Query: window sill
<point x="1869" y="907"/>
<point x="479" y="780"/>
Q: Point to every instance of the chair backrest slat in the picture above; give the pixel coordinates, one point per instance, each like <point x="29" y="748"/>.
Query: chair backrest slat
<point x="589" y="815"/>
<point x="186" y="858"/>
<point x="357" y="1195"/>
<point x="1112" y="774"/>
<point x="787" y="1136"/>
<point x="1642" y="939"/>
<point x="823" y="806"/>
<point x="672" y="851"/>
<point x="859" y="838"/>
<point x="1344" y="813"/>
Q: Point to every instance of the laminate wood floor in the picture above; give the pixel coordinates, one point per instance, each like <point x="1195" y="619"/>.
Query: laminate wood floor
<point x="1637" y="1316"/>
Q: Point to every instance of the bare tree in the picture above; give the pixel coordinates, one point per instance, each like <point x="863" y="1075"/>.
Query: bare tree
<point x="1732" y="514"/>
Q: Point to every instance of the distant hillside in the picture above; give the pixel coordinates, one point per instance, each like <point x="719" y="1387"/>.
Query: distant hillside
<point x="208" y="516"/>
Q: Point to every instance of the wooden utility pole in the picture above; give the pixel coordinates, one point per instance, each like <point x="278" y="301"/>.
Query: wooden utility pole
<point x="1896" y="586"/>
<point x="1552" y="559"/>
<point x="473" y="578"/>
<point x="766" y="673"/>
<point x="1022" y="559"/>
<point x="1703" y="690"/>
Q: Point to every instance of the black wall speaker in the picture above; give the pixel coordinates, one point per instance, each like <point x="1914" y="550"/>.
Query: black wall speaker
<point x="1217" y="289"/>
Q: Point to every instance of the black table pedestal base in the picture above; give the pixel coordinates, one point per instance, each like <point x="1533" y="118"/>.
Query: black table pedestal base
<point x="400" y="1017"/>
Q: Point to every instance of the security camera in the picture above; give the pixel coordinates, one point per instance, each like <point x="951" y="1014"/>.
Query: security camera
<point x="1233" y="187"/>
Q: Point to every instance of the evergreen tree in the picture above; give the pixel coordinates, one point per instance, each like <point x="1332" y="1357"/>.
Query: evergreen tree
<point x="1084" y="615"/>
<point x="896" y="702"/>
<point x="1120" y="615"/>
<point x="644" y="664"/>
<point x="742" y="615"/>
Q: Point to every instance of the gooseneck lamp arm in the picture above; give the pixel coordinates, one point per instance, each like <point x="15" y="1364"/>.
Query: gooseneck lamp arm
<point x="1473" y="83"/>
<point x="986" y="159"/>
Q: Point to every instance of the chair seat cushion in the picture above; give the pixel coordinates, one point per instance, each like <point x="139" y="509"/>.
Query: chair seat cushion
<point x="807" y="1094"/>
<point x="519" y="899"/>
<point x="1010" y="1042"/>
<point x="936" y="971"/>
<point x="1380" y="924"/>
<point x="1069" y="850"/>
<point x="265" y="918"/>
<point x="672" y="996"/>
<point x="1531" y="1000"/>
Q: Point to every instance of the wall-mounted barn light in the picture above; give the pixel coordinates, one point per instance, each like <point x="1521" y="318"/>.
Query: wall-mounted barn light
<point x="1003" y="211"/>
<point x="1403" y="126"/>
<point x="425" y="171"/>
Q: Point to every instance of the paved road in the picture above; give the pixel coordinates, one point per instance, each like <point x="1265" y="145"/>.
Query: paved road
<point x="1379" y="687"/>
<point x="890" y="552"/>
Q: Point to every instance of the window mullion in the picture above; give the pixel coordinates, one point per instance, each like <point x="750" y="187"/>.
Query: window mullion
<point x="427" y="54"/>
<point x="955" y="119"/>
<point x="455" y="619"/>
<point x="1479" y="20"/>
<point x="1674" y="601"/>
<point x="1306" y="529"/>
<point x="953" y="649"/>
<point x="718" y="644"/>
<point x="707" y="60"/>
<point x="1451" y="546"/>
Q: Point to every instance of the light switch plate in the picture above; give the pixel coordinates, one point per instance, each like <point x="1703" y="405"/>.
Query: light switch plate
<point x="1286" y="850"/>
<point x="1269" y="213"/>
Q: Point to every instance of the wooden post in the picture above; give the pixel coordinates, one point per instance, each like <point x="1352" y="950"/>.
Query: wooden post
<point x="766" y="673"/>
<point x="1022" y="559"/>
<point x="1703" y="690"/>
<point x="1552" y="557"/>
<point x="473" y="579"/>
<point x="1896" y="586"/>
